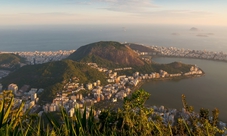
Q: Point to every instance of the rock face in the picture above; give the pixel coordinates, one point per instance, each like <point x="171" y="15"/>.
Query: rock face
<point x="107" y="51"/>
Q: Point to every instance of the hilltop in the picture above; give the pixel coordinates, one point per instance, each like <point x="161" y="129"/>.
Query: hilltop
<point x="107" y="53"/>
<point x="9" y="61"/>
<point x="174" y="67"/>
<point x="52" y="76"/>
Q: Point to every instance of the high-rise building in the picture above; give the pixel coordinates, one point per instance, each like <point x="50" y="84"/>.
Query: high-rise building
<point x="80" y="96"/>
<point x="31" y="104"/>
<point x="33" y="96"/>
<point x="95" y="83"/>
<point x="13" y="87"/>
<point x="89" y="86"/>
<point x="98" y="82"/>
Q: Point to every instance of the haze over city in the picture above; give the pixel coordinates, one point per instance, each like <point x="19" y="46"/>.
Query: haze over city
<point x="45" y="12"/>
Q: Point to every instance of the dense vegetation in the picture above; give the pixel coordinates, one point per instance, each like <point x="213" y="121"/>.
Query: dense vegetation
<point x="107" y="52"/>
<point x="52" y="76"/>
<point x="100" y="61"/>
<point x="139" y="48"/>
<point x="171" y="68"/>
<point x="133" y="119"/>
<point x="174" y="67"/>
<point x="10" y="61"/>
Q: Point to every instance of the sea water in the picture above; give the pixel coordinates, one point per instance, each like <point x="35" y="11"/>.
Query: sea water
<point x="68" y="37"/>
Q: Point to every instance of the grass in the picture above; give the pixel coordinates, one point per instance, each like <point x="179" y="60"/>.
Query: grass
<point x="133" y="119"/>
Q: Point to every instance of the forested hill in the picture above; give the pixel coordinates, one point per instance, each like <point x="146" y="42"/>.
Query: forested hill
<point x="140" y="48"/>
<point x="52" y="76"/>
<point x="9" y="61"/>
<point x="107" y="53"/>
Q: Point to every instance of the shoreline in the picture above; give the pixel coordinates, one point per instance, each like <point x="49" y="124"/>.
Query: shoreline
<point x="163" y="56"/>
<point x="142" y="82"/>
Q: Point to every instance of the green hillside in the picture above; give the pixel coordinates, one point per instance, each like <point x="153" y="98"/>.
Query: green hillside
<point x="52" y="76"/>
<point x="107" y="53"/>
<point x="139" y="48"/>
<point x="174" y="67"/>
<point x="10" y="61"/>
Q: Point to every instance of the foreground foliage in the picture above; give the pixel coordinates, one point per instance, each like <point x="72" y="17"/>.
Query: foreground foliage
<point x="133" y="119"/>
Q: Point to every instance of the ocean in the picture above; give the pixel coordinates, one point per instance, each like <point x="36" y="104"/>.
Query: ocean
<point x="68" y="37"/>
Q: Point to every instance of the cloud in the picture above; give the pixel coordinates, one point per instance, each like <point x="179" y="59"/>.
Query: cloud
<point x="147" y="8"/>
<point x="50" y="14"/>
<point x="77" y="2"/>
<point x="179" y="12"/>
<point x="202" y="35"/>
<point x="131" y="6"/>
<point x="174" y="15"/>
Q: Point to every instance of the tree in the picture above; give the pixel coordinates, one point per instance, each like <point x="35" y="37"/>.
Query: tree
<point x="185" y="104"/>
<point x="204" y="113"/>
<point x="215" y="117"/>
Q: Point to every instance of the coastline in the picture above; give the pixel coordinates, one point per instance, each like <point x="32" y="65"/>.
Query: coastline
<point x="164" y="56"/>
<point x="142" y="82"/>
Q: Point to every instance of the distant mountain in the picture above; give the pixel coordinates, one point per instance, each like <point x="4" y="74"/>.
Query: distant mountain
<point x="10" y="61"/>
<point x="52" y="76"/>
<point x="107" y="53"/>
<point x="194" y="29"/>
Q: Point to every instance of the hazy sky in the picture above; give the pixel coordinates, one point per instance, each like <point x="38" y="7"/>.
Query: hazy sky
<point x="29" y="12"/>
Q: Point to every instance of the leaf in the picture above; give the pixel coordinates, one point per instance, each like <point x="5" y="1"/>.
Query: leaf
<point x="2" y="112"/>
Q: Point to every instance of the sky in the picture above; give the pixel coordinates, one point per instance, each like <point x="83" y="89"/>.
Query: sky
<point x="177" y="12"/>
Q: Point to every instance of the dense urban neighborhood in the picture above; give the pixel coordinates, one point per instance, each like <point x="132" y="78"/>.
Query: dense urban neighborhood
<point x="39" y="57"/>
<point x="187" y="53"/>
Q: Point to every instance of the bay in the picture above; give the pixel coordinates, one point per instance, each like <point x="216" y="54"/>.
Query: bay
<point x="208" y="91"/>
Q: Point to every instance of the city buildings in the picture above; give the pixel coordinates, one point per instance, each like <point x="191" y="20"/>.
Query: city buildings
<point x="13" y="87"/>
